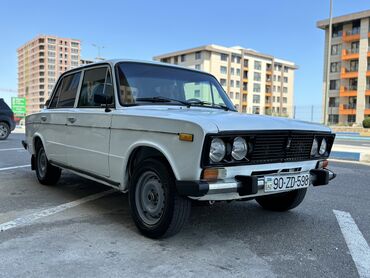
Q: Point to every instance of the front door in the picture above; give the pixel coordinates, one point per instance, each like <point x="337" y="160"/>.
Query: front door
<point x="88" y="125"/>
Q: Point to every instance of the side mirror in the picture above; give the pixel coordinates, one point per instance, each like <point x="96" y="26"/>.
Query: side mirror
<point x="102" y="99"/>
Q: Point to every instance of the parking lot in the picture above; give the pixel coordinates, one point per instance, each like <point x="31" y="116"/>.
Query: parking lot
<point x="78" y="229"/>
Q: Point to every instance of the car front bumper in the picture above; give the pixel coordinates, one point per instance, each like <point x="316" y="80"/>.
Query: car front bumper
<point x="240" y="187"/>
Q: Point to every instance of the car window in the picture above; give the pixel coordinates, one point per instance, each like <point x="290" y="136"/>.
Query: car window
<point x="66" y="93"/>
<point x="95" y="81"/>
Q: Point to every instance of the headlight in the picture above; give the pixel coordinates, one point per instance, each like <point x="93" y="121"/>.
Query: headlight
<point x="217" y="151"/>
<point x="323" y="146"/>
<point x="240" y="148"/>
<point x="315" y="146"/>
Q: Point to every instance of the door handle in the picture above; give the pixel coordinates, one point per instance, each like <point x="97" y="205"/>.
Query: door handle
<point x="71" y="119"/>
<point x="43" y="118"/>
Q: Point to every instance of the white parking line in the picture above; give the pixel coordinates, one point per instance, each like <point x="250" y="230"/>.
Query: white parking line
<point x="21" y="221"/>
<point x="12" y="149"/>
<point x="356" y="242"/>
<point x="15" y="167"/>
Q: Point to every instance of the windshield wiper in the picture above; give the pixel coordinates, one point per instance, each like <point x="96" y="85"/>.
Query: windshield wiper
<point x="162" y="99"/>
<point x="208" y="104"/>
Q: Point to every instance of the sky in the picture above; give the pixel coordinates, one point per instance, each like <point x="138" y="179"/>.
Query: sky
<point x="142" y="29"/>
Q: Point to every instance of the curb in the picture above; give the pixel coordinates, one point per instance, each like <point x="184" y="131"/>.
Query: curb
<point x="360" y="154"/>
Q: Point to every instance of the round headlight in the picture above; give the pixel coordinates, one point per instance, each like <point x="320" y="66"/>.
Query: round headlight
<point x="240" y="148"/>
<point x="218" y="150"/>
<point x="323" y="146"/>
<point x="315" y="147"/>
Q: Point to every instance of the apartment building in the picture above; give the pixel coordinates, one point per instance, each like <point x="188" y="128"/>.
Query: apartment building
<point x="349" y="78"/>
<point x="255" y="82"/>
<point x="40" y="62"/>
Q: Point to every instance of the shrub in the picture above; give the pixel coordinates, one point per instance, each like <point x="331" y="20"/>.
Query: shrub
<point x="366" y="122"/>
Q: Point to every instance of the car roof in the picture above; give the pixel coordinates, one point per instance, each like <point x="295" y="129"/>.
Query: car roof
<point x="113" y="62"/>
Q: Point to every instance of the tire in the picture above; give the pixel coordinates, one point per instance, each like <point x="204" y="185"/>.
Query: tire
<point x="46" y="173"/>
<point x="157" y="209"/>
<point x="4" y="130"/>
<point x="282" y="201"/>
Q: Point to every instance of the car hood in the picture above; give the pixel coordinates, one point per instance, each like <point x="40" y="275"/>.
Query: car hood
<point x="224" y="120"/>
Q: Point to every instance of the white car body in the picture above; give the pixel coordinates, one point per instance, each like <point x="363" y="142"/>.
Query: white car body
<point x="99" y="145"/>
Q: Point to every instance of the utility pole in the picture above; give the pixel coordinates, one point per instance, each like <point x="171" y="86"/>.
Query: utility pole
<point x="99" y="48"/>
<point x="326" y="94"/>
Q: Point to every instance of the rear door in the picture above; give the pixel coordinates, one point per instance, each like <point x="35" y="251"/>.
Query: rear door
<point x="54" y="119"/>
<point x="88" y="125"/>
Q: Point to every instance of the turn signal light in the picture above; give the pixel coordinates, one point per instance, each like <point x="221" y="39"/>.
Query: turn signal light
<point x="186" y="137"/>
<point x="212" y="174"/>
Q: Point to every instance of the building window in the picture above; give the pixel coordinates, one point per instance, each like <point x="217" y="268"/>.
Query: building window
<point x="223" y="81"/>
<point x="236" y="59"/>
<point x="197" y="67"/>
<point x="353" y="65"/>
<point x="223" y="56"/>
<point x="74" y="50"/>
<point x="351" y="119"/>
<point x="279" y="78"/>
<point x="285" y="100"/>
<point x="256" y="99"/>
<point x="286" y="69"/>
<point x="238" y="72"/>
<point x="278" y="67"/>
<point x="336" y="49"/>
<point x="237" y="95"/>
<point x="257" y="76"/>
<point x="50" y="40"/>
<point x="337" y="30"/>
<point x="335" y="67"/>
<point x="352" y="84"/>
<point x="231" y="83"/>
<point x="51" y="53"/>
<point x="333" y="119"/>
<point x="285" y="79"/>
<point x="74" y="44"/>
<point x="274" y="88"/>
<point x="183" y="58"/>
<point x="246" y="63"/>
<point x="257" y="65"/>
<point x="278" y="89"/>
<point x="285" y="89"/>
<point x="237" y="84"/>
<point x="274" y="77"/>
<point x="333" y="102"/>
<point x="256" y="87"/>
<point x="198" y="55"/>
<point x="232" y="71"/>
<point x="231" y="95"/>
<point x="334" y="84"/>
<point x="255" y="110"/>
<point x="74" y="57"/>
<point x="223" y="69"/>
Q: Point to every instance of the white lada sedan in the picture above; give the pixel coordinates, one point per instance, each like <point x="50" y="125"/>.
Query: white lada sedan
<point x="170" y="136"/>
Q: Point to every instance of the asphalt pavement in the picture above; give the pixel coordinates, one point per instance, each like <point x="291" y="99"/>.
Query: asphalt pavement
<point x="56" y="232"/>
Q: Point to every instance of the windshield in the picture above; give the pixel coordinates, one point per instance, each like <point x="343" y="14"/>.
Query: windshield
<point x="141" y="84"/>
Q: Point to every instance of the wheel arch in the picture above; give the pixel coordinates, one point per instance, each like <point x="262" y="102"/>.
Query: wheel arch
<point x="140" y="152"/>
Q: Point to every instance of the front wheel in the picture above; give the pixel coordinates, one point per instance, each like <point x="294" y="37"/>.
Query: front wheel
<point x="46" y="173"/>
<point x="282" y="201"/>
<point x="157" y="210"/>
<point x="4" y="130"/>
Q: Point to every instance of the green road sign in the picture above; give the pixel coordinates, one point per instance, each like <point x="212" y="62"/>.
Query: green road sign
<point x="19" y="106"/>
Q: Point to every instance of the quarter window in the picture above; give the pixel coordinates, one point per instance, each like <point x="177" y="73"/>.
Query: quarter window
<point x="66" y="93"/>
<point x="96" y="81"/>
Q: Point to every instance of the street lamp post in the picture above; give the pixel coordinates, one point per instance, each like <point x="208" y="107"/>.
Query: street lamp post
<point x="99" y="47"/>
<point x="326" y="95"/>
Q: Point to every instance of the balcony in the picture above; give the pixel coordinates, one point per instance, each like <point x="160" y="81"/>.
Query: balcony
<point x="347" y="92"/>
<point x="348" y="73"/>
<point x="350" y="54"/>
<point x="347" y="109"/>
<point x="351" y="36"/>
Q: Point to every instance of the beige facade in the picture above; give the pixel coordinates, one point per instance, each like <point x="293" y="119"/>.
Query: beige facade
<point x="349" y="77"/>
<point x="40" y="62"/>
<point x="255" y="82"/>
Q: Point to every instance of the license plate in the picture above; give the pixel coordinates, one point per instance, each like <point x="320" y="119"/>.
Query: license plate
<point x="286" y="182"/>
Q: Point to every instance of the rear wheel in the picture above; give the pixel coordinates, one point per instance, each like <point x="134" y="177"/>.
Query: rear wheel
<point x="282" y="201"/>
<point x="46" y="173"/>
<point x="4" y="130"/>
<point x="157" y="210"/>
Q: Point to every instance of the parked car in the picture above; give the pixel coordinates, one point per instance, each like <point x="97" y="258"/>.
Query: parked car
<point x="168" y="135"/>
<point x="7" y="123"/>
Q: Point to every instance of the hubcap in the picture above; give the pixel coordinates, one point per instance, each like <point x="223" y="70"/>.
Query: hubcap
<point x="42" y="163"/>
<point x="3" y="131"/>
<point x="150" y="198"/>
